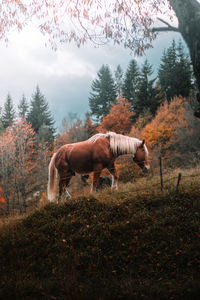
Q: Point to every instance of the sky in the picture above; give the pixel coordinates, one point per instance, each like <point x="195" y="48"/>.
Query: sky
<point x="64" y="76"/>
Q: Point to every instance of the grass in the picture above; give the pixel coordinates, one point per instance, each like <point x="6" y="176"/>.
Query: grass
<point x="136" y="243"/>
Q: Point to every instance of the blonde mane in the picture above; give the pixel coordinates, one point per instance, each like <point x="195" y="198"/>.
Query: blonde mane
<point x="119" y="144"/>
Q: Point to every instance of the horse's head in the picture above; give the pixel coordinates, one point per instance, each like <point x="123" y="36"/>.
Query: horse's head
<point x="141" y="157"/>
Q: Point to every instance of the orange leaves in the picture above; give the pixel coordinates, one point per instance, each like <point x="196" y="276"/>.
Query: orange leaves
<point x="119" y="118"/>
<point x="2" y="198"/>
<point x="62" y="140"/>
<point x="168" y="119"/>
<point x="90" y="127"/>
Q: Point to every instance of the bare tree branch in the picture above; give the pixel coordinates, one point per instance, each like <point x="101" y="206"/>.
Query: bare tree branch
<point x="168" y="28"/>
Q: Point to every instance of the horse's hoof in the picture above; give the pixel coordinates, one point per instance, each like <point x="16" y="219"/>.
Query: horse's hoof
<point x="67" y="195"/>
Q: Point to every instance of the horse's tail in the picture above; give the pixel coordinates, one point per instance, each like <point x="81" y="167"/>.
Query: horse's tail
<point x="52" y="180"/>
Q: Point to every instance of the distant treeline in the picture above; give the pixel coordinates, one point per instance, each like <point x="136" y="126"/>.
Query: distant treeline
<point x="139" y="87"/>
<point x="36" y="113"/>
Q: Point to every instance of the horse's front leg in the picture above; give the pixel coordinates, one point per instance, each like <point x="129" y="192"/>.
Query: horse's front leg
<point x="115" y="176"/>
<point x="96" y="175"/>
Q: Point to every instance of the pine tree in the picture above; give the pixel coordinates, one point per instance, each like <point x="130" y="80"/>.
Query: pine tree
<point x="103" y="93"/>
<point x="184" y="72"/>
<point x="119" y="80"/>
<point x="40" y="116"/>
<point x="146" y="95"/>
<point x="1" y="124"/>
<point x="129" y="87"/>
<point x="8" y="112"/>
<point x="23" y="107"/>
<point x="174" y="73"/>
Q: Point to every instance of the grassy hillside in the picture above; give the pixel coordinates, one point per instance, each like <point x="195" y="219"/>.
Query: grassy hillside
<point x="137" y="243"/>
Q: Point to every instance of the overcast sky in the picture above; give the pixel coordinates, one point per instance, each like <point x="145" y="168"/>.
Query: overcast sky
<point x="64" y="76"/>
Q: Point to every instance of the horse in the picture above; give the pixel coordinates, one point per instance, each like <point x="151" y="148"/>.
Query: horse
<point x="93" y="155"/>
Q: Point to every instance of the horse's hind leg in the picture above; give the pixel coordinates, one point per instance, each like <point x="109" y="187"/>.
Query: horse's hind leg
<point x="97" y="173"/>
<point x="65" y="178"/>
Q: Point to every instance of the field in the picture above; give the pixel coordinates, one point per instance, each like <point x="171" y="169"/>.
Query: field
<point x="135" y="243"/>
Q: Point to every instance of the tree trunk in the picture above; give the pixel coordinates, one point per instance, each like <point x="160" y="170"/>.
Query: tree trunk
<point x="188" y="14"/>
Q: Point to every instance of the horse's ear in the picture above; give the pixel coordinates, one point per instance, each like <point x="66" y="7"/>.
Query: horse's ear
<point x="142" y="144"/>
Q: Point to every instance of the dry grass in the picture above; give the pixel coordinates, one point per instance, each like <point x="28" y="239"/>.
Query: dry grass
<point x="134" y="243"/>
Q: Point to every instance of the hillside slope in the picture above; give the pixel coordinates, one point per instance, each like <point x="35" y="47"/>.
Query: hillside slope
<point x="132" y="246"/>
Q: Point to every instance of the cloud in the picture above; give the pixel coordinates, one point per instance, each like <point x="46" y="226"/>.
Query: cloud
<point x="64" y="76"/>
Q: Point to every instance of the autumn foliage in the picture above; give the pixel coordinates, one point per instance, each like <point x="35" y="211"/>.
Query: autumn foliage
<point x="90" y="127"/>
<point x="169" y="118"/>
<point x="2" y="198"/>
<point x="22" y="162"/>
<point x="119" y="118"/>
<point x="174" y="132"/>
<point x="75" y="132"/>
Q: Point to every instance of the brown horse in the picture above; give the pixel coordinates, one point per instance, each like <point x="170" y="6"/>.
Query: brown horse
<point x="93" y="155"/>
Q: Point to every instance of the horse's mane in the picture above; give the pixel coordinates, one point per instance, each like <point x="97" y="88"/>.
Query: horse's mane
<point x="119" y="143"/>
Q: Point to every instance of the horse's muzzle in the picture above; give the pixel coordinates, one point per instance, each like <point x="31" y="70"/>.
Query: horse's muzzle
<point x="145" y="169"/>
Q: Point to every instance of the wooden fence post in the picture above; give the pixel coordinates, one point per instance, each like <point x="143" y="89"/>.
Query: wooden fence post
<point x="178" y="182"/>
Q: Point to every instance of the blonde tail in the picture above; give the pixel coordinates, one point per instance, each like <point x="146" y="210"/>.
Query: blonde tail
<point x="52" y="180"/>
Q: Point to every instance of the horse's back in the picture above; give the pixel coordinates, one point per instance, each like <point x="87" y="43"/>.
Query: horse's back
<point x="82" y="156"/>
